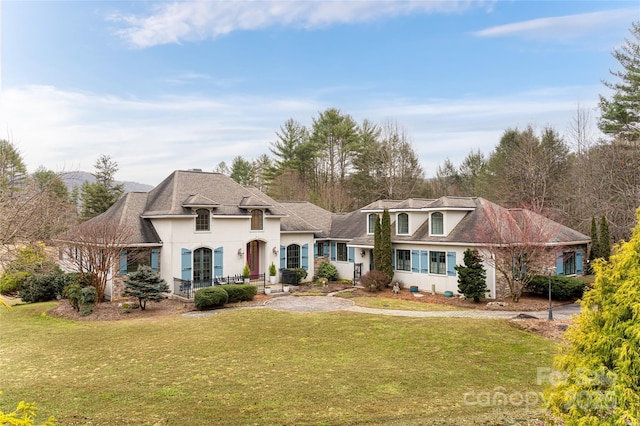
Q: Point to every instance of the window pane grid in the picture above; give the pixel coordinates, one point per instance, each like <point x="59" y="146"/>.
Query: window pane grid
<point x="341" y="256"/>
<point x="293" y="256"/>
<point x="437" y="224"/>
<point x="403" y="223"/>
<point x="202" y="220"/>
<point x="256" y="220"/>
<point x="403" y="260"/>
<point x="438" y="262"/>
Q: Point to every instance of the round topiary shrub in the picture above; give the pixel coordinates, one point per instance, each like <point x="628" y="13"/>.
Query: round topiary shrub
<point x="328" y="271"/>
<point x="210" y="298"/>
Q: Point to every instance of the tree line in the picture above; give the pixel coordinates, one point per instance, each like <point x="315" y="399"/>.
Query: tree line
<point x="342" y="165"/>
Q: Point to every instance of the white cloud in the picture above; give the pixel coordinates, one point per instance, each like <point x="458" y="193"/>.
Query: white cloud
<point x="563" y="28"/>
<point x="149" y="138"/>
<point x="191" y="21"/>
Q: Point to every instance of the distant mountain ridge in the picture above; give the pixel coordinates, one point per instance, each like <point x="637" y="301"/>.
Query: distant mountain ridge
<point x="73" y="179"/>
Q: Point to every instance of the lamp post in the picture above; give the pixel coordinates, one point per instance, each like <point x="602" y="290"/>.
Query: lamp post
<point x="549" y="271"/>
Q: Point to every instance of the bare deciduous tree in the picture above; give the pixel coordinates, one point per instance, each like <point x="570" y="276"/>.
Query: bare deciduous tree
<point x="93" y="249"/>
<point x="515" y="243"/>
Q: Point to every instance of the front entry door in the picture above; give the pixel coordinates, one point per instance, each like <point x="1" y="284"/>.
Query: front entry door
<point x="253" y="257"/>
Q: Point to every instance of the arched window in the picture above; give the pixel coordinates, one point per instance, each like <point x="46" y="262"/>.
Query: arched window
<point x="437" y="224"/>
<point x="403" y="224"/>
<point x="371" y="225"/>
<point x="256" y="220"/>
<point x="293" y="256"/>
<point x="202" y="220"/>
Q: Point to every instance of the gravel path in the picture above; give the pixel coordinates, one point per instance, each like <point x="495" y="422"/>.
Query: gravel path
<point x="328" y="304"/>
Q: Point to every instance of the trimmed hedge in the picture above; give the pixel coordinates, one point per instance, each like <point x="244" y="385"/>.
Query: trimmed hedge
<point x="562" y="288"/>
<point x="210" y="298"/>
<point x="240" y="292"/>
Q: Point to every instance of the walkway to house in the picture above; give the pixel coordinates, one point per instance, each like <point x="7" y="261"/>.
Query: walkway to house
<point x="327" y="304"/>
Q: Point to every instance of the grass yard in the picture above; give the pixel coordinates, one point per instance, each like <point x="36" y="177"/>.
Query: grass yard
<point x="405" y="305"/>
<point x="263" y="367"/>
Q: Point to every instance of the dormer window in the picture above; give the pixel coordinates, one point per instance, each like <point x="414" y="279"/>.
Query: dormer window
<point x="403" y="224"/>
<point x="257" y="220"/>
<point x="203" y="222"/>
<point x="371" y="224"/>
<point x="437" y="224"/>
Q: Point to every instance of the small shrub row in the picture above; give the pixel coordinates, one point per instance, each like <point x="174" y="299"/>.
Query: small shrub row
<point x="562" y="288"/>
<point x="375" y="280"/>
<point x="240" y="292"/>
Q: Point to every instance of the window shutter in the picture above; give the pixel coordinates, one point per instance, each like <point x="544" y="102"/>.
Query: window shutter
<point x="560" y="263"/>
<point x="218" y="260"/>
<point x="352" y="254"/>
<point x="424" y="261"/>
<point x="393" y="259"/>
<point x="451" y="263"/>
<point x="333" y="250"/>
<point x="123" y="262"/>
<point x="186" y="264"/>
<point x="316" y="248"/>
<point x="154" y="259"/>
<point x="283" y="257"/>
<point x="325" y="249"/>
<point x="579" y="262"/>
<point x="305" y="257"/>
<point x="415" y="261"/>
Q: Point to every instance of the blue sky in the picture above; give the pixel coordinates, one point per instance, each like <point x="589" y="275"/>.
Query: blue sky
<point x="161" y="86"/>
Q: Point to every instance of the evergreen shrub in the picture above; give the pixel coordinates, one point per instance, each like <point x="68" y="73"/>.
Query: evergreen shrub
<point x="562" y="288"/>
<point x="210" y="298"/>
<point x="328" y="271"/>
<point x="375" y="280"/>
<point x="240" y="292"/>
<point x="44" y="287"/>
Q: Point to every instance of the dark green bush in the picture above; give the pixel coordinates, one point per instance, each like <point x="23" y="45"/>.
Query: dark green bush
<point x="375" y="280"/>
<point x="240" y="292"/>
<point x="301" y="274"/>
<point x="44" y="287"/>
<point x="562" y="288"/>
<point x="210" y="298"/>
<point x="328" y="271"/>
<point x="73" y="293"/>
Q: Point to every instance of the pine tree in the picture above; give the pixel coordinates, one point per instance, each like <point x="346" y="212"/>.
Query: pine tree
<point x="599" y="365"/>
<point x="595" y="241"/>
<point x="620" y="115"/>
<point x="145" y="284"/>
<point x="472" y="277"/>
<point x="98" y="196"/>
<point x="377" y="245"/>
<point x="386" y="265"/>
<point x="604" y="241"/>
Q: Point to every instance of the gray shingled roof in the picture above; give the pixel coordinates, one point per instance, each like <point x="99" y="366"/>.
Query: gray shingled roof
<point x="126" y="211"/>
<point x="472" y="229"/>
<point x="305" y="215"/>
<point x="182" y="189"/>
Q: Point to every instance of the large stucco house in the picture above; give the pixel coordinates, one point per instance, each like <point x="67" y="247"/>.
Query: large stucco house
<point x="198" y="227"/>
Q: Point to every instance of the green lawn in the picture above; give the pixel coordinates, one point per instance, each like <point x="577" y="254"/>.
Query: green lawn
<point x="257" y="366"/>
<point x="405" y="305"/>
